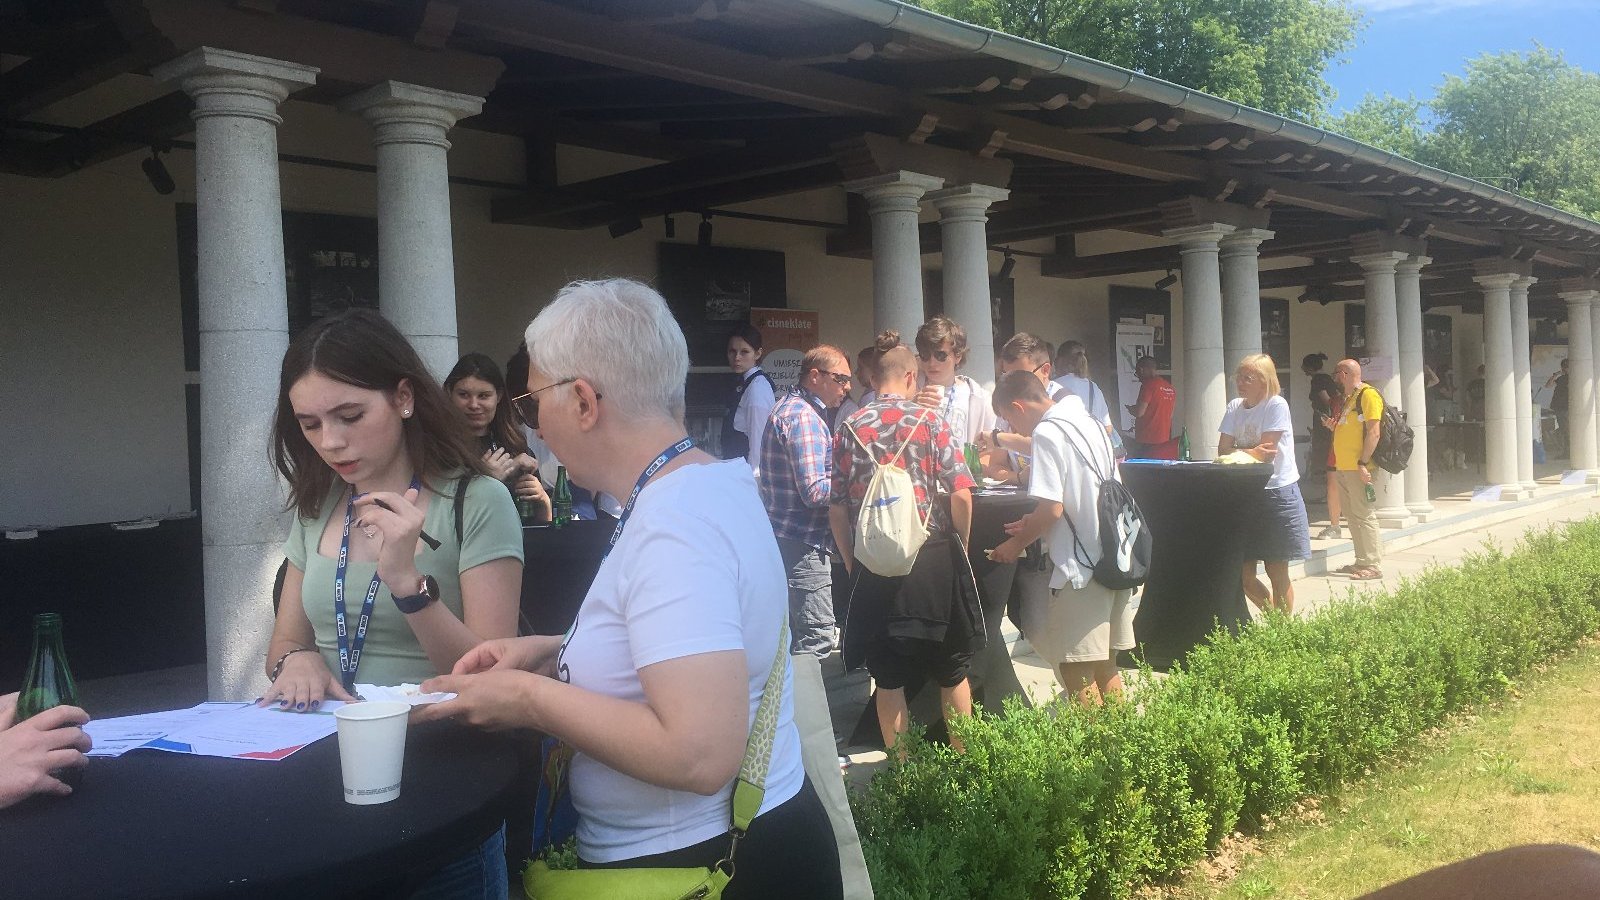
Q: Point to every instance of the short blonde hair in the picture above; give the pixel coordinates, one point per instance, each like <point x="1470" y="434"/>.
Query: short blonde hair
<point x="1265" y="369"/>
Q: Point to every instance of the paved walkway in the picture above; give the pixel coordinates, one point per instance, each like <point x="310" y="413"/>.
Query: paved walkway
<point x="1461" y="527"/>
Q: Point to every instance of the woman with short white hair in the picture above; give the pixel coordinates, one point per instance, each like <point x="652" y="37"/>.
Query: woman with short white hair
<point x="656" y="685"/>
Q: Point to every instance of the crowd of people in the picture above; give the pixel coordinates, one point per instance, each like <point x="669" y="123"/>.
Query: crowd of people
<point x="404" y="488"/>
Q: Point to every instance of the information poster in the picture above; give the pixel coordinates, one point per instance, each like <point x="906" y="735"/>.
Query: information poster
<point x="786" y="335"/>
<point x="1133" y="341"/>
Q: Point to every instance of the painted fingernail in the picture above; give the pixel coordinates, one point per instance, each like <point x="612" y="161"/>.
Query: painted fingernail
<point x="316" y="704"/>
<point x="299" y="707"/>
<point x="256" y="700"/>
<point x="283" y="703"/>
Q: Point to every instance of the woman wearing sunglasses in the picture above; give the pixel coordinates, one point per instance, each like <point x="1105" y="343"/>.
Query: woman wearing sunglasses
<point x="654" y="687"/>
<point x="382" y="586"/>
<point x="941" y="349"/>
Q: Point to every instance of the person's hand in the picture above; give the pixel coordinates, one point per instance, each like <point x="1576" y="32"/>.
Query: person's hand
<point x="984" y="442"/>
<point x="501" y="464"/>
<point x="1008" y="551"/>
<point x="30" y="751"/>
<point x="526" y="462"/>
<point x="497" y="700"/>
<point x="534" y="653"/>
<point x="1011" y="528"/>
<point x="1329" y="422"/>
<point x="931" y="396"/>
<point x="1265" y="452"/>
<point x="399" y="520"/>
<point x="8" y="710"/>
<point x="529" y="487"/>
<point x="303" y="684"/>
<point x="1366" y="474"/>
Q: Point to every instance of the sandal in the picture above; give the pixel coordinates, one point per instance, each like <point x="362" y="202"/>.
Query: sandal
<point x="1347" y="570"/>
<point x="1367" y="574"/>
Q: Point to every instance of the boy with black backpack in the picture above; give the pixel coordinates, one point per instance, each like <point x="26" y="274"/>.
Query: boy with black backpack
<point x="1097" y="541"/>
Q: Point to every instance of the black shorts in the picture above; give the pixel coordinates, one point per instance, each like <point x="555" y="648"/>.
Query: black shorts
<point x="896" y="663"/>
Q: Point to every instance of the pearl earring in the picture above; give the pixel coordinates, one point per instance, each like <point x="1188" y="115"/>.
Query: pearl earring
<point x="405" y="413"/>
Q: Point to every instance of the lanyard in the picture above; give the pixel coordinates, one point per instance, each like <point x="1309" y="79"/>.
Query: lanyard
<point x="350" y="651"/>
<point x="667" y="455"/>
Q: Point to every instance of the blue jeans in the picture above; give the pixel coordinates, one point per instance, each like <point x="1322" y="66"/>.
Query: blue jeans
<point x="479" y="875"/>
<point x="810" y="598"/>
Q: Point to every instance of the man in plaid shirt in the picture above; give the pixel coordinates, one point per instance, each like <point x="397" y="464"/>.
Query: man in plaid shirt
<point x="796" y="470"/>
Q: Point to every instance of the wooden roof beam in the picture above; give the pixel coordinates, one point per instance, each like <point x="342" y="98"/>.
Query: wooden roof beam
<point x="1118" y="118"/>
<point x="153" y="123"/>
<point x="84" y="59"/>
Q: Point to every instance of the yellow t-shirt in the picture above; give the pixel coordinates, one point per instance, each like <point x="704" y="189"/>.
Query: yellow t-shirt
<point x="1350" y="433"/>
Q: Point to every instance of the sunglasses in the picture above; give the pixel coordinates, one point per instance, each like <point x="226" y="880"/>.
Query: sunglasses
<point x="527" y="405"/>
<point x="940" y="355"/>
<point x="840" y="379"/>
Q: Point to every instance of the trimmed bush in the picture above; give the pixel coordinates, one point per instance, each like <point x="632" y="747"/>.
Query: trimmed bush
<point x="1065" y="801"/>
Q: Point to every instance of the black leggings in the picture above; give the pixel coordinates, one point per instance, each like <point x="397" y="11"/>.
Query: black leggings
<point x="789" y="852"/>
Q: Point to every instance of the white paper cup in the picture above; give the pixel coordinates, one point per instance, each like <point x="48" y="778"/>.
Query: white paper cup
<point x="372" y="749"/>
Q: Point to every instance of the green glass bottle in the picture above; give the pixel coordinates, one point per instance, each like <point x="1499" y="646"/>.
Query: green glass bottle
<point x="49" y="681"/>
<point x="1372" y="495"/>
<point x="1183" y="446"/>
<point x="562" y="499"/>
<point x="969" y="453"/>
<point x="527" y="511"/>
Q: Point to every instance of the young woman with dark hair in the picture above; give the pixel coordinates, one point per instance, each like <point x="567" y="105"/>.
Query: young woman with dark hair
<point x="478" y="389"/>
<point x="390" y="496"/>
<point x="753" y="397"/>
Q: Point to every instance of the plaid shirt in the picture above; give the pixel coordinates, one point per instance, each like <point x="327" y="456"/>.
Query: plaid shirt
<point x="932" y="456"/>
<point x="795" y="460"/>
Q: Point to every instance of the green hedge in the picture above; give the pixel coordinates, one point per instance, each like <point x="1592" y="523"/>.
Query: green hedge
<point x="1066" y="802"/>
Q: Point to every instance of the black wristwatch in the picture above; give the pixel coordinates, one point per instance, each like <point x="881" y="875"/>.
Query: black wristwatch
<point x="427" y="592"/>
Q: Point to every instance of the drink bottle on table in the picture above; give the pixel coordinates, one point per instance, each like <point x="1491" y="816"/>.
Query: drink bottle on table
<point x="49" y="681"/>
<point x="562" y="499"/>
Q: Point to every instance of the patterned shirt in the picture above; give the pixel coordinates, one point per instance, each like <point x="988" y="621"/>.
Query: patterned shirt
<point x="931" y="458"/>
<point x="796" y="456"/>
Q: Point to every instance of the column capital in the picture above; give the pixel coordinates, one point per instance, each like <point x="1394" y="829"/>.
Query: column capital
<point x="966" y="202"/>
<point x="1369" y="243"/>
<point x="1245" y="241"/>
<point x="229" y="83"/>
<point x="1199" y="237"/>
<point x="895" y="191"/>
<point x="1578" y="298"/>
<point x="1382" y="262"/>
<point x="1522" y="283"/>
<point x="1412" y="265"/>
<point x="404" y="113"/>
<point x="1495" y="280"/>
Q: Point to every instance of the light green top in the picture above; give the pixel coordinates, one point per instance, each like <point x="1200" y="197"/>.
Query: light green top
<point x="490" y="530"/>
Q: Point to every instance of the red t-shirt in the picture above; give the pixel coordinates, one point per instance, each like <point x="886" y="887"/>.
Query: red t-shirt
<point x="1155" y="426"/>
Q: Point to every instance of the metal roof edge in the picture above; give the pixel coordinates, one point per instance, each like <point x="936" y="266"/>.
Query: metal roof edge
<point x="923" y="23"/>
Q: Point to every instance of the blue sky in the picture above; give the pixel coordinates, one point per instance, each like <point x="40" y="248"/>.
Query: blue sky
<point x="1409" y="45"/>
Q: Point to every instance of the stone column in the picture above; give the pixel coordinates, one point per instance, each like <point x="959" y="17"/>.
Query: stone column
<point x="1413" y="390"/>
<point x="962" y="217"/>
<point x="416" y="262"/>
<point x="1383" y="341"/>
<point x="893" y="201"/>
<point x="1204" y="392"/>
<point x="1241" y="299"/>
<point x="1500" y="400"/>
<point x="244" y="323"/>
<point x="1580" y="381"/>
<point x="1594" y="349"/>
<point x="1522" y="380"/>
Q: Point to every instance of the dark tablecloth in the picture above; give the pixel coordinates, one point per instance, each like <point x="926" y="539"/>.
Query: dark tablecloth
<point x="160" y="825"/>
<point x="1197" y="553"/>
<point x="558" y="566"/>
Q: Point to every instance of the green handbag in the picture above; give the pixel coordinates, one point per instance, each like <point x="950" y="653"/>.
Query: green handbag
<point x="541" y="882"/>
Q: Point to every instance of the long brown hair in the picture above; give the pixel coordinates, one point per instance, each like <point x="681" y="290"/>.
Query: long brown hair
<point x="362" y="349"/>
<point x="503" y="427"/>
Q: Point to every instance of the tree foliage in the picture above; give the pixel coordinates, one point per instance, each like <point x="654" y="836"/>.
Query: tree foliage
<point x="1269" y="54"/>
<point x="1527" y="122"/>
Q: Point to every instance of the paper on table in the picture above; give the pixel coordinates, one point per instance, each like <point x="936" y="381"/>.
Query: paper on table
<point x="402" y="693"/>
<point x="114" y="737"/>
<point x="250" y="732"/>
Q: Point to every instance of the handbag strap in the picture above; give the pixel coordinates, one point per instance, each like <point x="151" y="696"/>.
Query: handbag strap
<point x="750" y="789"/>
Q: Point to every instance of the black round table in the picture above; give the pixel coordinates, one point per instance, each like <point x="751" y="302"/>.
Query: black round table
<point x="558" y="566"/>
<point x="1197" y="552"/>
<point x="151" y="824"/>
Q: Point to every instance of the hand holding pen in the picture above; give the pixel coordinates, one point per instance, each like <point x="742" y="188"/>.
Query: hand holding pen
<point x="399" y="520"/>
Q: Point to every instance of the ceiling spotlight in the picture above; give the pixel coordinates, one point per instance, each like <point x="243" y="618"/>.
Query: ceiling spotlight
<point x="624" y="226"/>
<point x="705" y="229"/>
<point x="1167" y="281"/>
<point x="672" y="230"/>
<point x="156" y="172"/>
<point x="1007" y="267"/>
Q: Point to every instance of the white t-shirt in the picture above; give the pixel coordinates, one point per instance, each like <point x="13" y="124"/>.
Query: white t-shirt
<point x="750" y="419"/>
<point x="696" y="571"/>
<point x="1247" y="425"/>
<point x="1059" y="474"/>
<point x="1094" y="399"/>
<point x="968" y="410"/>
